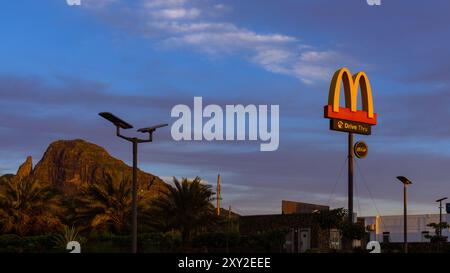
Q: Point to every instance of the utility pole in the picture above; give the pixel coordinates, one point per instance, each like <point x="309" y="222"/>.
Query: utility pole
<point x="406" y="182"/>
<point x="405" y="220"/>
<point x="121" y="124"/>
<point x="440" y="214"/>
<point x="134" y="198"/>
<point x="218" y="195"/>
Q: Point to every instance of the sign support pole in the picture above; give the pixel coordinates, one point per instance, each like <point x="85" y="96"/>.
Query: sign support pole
<point x="350" y="177"/>
<point x="349" y="119"/>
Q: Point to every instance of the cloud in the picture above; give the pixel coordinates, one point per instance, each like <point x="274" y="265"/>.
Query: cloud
<point x="307" y="174"/>
<point x="96" y="4"/>
<point x="181" y="23"/>
<point x="304" y="168"/>
<point x="177" y="13"/>
<point x="421" y="115"/>
<point x="163" y="3"/>
<point x="309" y="66"/>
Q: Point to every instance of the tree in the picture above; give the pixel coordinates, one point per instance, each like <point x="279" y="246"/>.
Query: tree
<point x="353" y="231"/>
<point x="185" y="207"/>
<point x="329" y="219"/>
<point x="68" y="234"/>
<point x="437" y="238"/>
<point x="105" y="206"/>
<point x="28" y="207"/>
<point x="338" y="218"/>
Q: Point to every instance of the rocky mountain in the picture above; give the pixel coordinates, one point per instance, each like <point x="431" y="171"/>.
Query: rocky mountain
<point x="25" y="169"/>
<point x="69" y="164"/>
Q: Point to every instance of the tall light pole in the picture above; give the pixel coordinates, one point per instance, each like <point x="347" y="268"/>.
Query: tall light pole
<point x="218" y="195"/>
<point x="121" y="124"/>
<point x="440" y="214"/>
<point x="350" y="177"/>
<point x="405" y="182"/>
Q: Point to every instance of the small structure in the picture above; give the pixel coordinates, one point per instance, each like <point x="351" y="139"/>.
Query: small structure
<point x="389" y="229"/>
<point x="298" y="219"/>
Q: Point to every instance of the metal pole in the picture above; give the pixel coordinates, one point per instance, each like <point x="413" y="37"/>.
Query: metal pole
<point x="405" y="222"/>
<point x="218" y="195"/>
<point x="350" y="177"/>
<point x="134" y="198"/>
<point x="440" y="218"/>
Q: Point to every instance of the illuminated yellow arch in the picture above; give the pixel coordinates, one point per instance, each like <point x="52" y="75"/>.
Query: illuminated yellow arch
<point x="351" y="85"/>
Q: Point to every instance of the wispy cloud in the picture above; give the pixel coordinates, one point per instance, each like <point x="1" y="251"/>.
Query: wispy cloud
<point x="183" y="23"/>
<point x="163" y="3"/>
<point x="98" y="3"/>
<point x="177" y="13"/>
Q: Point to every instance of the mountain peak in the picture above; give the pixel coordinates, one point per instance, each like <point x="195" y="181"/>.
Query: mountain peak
<point x="26" y="168"/>
<point x="69" y="164"/>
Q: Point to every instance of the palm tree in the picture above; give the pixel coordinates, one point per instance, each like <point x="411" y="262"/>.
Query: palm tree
<point x="68" y="234"/>
<point x="28" y="207"/>
<point x="106" y="206"/>
<point x="185" y="207"/>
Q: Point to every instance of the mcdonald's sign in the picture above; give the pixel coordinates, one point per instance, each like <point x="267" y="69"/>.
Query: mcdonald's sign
<point x="351" y="85"/>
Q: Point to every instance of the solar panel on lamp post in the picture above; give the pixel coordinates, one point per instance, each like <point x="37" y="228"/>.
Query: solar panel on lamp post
<point x="121" y="124"/>
<point x="405" y="182"/>
<point x="440" y="214"/>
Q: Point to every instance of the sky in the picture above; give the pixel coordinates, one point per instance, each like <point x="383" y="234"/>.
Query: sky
<point x="61" y="65"/>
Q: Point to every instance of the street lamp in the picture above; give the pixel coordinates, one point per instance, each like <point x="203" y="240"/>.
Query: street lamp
<point x="440" y="214"/>
<point x="405" y="182"/>
<point x="121" y="124"/>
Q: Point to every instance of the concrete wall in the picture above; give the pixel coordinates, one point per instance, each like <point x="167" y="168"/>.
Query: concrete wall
<point x="256" y="223"/>
<point x="289" y="207"/>
<point x="394" y="225"/>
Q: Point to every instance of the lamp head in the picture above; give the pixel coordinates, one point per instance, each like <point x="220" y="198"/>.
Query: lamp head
<point x="404" y="180"/>
<point x="116" y="120"/>
<point x="152" y="129"/>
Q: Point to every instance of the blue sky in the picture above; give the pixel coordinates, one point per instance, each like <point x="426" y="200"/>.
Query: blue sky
<point x="61" y="65"/>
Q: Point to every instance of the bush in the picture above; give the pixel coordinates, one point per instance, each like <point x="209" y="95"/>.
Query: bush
<point x="147" y="242"/>
<point x="216" y="240"/>
<point x="15" y="243"/>
<point x="266" y="241"/>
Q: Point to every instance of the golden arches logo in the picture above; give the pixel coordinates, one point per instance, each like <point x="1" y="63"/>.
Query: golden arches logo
<point x="351" y="85"/>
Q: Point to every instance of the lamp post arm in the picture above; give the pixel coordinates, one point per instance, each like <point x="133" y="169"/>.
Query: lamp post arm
<point x="150" y="138"/>
<point x="122" y="136"/>
<point x="133" y="139"/>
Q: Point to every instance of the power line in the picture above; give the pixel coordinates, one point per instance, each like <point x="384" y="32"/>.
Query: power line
<point x="370" y="193"/>
<point x="336" y="182"/>
<point x="357" y="196"/>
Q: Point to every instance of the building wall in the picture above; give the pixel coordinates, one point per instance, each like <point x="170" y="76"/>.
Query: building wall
<point x="256" y="223"/>
<point x="290" y="207"/>
<point x="394" y="225"/>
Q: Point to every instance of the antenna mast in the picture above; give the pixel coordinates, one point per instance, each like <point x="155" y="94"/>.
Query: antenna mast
<point x="218" y="195"/>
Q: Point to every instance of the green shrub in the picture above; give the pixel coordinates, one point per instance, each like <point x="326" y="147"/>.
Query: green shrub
<point x="15" y="243"/>
<point x="216" y="240"/>
<point x="147" y="242"/>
